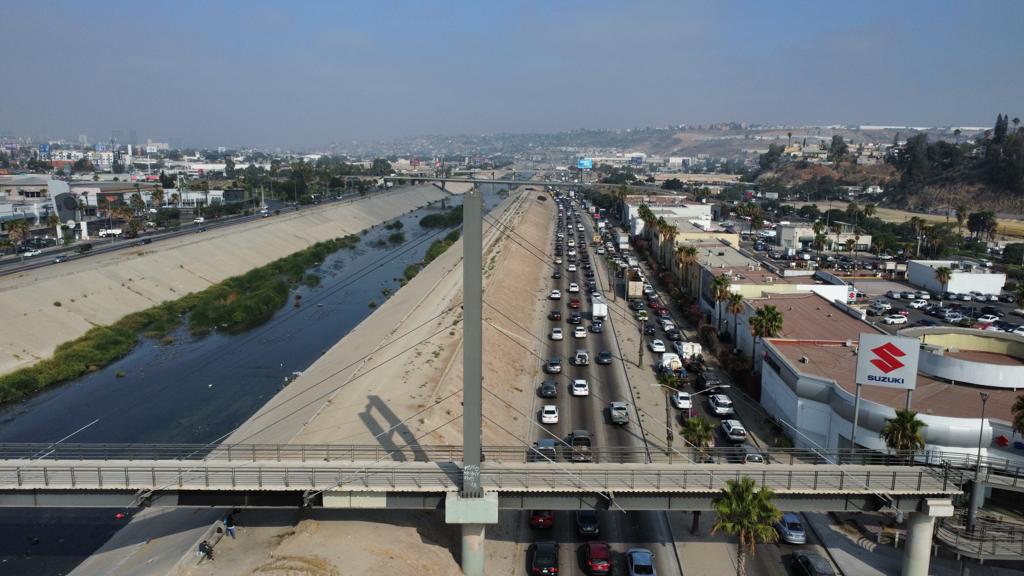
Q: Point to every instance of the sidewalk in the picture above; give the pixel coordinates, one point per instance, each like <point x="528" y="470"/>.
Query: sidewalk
<point x="856" y="555"/>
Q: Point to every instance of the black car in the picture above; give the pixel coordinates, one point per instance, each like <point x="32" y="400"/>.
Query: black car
<point x="557" y="275"/>
<point x="707" y="379"/>
<point x="1008" y="298"/>
<point x="811" y="565"/>
<point x="586" y="523"/>
<point x="636" y="305"/>
<point x="548" y="389"/>
<point x="545" y="559"/>
<point x="674" y="334"/>
<point x="143" y="241"/>
<point x="575" y="318"/>
<point x="60" y="258"/>
<point x="604" y="357"/>
<point x="649" y="329"/>
<point x="992" y="310"/>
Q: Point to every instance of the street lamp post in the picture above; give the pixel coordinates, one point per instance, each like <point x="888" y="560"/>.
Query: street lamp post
<point x="976" y="490"/>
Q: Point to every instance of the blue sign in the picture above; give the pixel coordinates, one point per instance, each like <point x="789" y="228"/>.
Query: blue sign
<point x="585" y="163"/>
<point x="637" y="161"/>
<point x="44" y="149"/>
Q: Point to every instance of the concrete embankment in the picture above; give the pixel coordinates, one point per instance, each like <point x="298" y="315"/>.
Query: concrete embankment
<point x="42" y="308"/>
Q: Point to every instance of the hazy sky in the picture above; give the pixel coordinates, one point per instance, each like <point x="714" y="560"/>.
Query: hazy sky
<point x="307" y="73"/>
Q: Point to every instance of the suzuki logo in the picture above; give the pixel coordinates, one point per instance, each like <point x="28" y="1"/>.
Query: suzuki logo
<point x="887" y="354"/>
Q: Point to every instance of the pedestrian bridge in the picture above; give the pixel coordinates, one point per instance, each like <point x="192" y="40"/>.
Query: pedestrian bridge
<point x="424" y="477"/>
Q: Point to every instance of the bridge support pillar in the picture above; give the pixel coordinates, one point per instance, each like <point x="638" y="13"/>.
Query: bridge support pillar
<point x="473" y="514"/>
<point x="920" y="528"/>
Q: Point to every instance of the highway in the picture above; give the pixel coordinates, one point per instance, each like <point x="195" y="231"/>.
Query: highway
<point x="607" y="383"/>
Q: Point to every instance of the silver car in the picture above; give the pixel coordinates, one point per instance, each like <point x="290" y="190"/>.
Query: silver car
<point x="791" y="529"/>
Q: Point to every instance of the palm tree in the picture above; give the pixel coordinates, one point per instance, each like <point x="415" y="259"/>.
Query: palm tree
<point x="17" y="231"/>
<point x="917" y="225"/>
<point x="942" y="276"/>
<point x="720" y="292"/>
<point x="766" y="323"/>
<point x="1018" y="415"/>
<point x="699" y="433"/>
<point x="903" y="433"/>
<point x="850" y="245"/>
<point x="735" y="306"/>
<point x="961" y="218"/>
<point x="687" y="255"/>
<point x="869" y="210"/>
<point x="157" y="197"/>
<point x="747" y="512"/>
<point x="819" y="243"/>
<point x="175" y="199"/>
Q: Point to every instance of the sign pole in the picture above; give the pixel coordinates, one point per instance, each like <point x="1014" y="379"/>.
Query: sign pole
<point x="856" y="417"/>
<point x="910" y="393"/>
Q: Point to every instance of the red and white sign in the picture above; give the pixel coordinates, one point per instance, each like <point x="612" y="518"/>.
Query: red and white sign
<point x="889" y="361"/>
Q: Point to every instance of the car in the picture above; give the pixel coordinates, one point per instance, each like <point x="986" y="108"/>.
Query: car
<point x="548" y="389"/>
<point x="720" y="405"/>
<point x="597" y="557"/>
<point x="894" y="294"/>
<point x="586" y="523"/>
<point x="574" y="303"/>
<point x="923" y="295"/>
<point x="571" y="267"/>
<point x="636" y="305"/>
<point x="555" y="295"/>
<point x="198" y="220"/>
<point x="60" y="258"/>
<point x="650" y="331"/>
<point x="604" y="357"/>
<point x="926" y="322"/>
<point x="895" y="319"/>
<point x="806" y="564"/>
<point x="579" y="332"/>
<point x="556" y="333"/>
<point x="642" y="316"/>
<point x="674" y="334"/>
<point x="597" y="327"/>
<point x="977" y="296"/>
<point x="881" y="305"/>
<point x="734" y="430"/>
<point x="553" y="365"/>
<point x="953" y="317"/>
<point x="558" y="260"/>
<point x="600" y="250"/>
<point x="545" y="559"/>
<point x="555" y="315"/>
<point x="33" y="252"/>
<point x="1008" y="298"/>
<point x="542" y="519"/>
<point x="682" y="400"/>
<point x="575" y="318"/>
<point x="993" y="310"/>
<point x="656" y="345"/>
<point x="988" y="318"/>
<point x="908" y="295"/>
<point x="574" y="287"/>
<point x="964" y="297"/>
<point x="580" y="387"/>
<point x="791" y="529"/>
<point x="918" y="304"/>
<point x="557" y="275"/>
<point x="549" y="414"/>
<point x="640" y="562"/>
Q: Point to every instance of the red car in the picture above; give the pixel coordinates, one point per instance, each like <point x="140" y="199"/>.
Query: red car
<point x="597" y="556"/>
<point x="574" y="303"/>
<point x="542" y="519"/>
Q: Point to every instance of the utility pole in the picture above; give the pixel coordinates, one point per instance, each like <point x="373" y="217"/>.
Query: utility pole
<point x="640" y="328"/>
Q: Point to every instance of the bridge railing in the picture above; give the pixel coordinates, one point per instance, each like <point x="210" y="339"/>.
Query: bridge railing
<point x="988" y="540"/>
<point x="1004" y="470"/>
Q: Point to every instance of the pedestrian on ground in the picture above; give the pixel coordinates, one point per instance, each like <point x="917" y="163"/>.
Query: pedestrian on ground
<point x="229" y="525"/>
<point x="206" y="550"/>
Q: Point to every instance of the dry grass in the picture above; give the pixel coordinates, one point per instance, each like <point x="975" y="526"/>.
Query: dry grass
<point x="1008" y="228"/>
<point x="298" y="566"/>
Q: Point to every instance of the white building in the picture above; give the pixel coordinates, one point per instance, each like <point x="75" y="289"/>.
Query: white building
<point x="965" y="277"/>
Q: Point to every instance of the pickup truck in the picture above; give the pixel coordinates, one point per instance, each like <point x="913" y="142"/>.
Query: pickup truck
<point x="579" y="440"/>
<point x="618" y="412"/>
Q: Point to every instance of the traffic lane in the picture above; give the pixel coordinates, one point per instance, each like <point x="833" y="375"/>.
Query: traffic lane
<point x="776" y="559"/>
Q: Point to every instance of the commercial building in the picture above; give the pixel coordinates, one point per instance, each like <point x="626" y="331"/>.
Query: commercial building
<point x="800" y="236"/>
<point x="674" y="209"/>
<point x="965" y="277"/>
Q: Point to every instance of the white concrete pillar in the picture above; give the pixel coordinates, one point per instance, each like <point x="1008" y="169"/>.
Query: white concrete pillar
<point x="920" y="528"/>
<point x="473" y="555"/>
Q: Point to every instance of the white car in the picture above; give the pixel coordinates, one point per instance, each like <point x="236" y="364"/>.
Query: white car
<point x="600" y="250"/>
<point x="580" y="387"/>
<point x="574" y="287"/>
<point x="918" y="304"/>
<point x="549" y="414"/>
<point x="881" y="305"/>
<point x="656" y="346"/>
<point x="558" y="260"/>
<point x="953" y="317"/>
<point x="555" y="295"/>
<point x="922" y="295"/>
<point x="579" y="332"/>
<point x="734" y="430"/>
<point x="571" y="268"/>
<point x="682" y="400"/>
<point x="988" y="318"/>
<point x="31" y="253"/>
<point x="895" y="319"/>
<point x="720" y="405"/>
<point x="556" y="333"/>
<point x="1019" y="331"/>
<point x="894" y="294"/>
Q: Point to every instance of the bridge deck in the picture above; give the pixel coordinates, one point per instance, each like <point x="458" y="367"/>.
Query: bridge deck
<point x="164" y="475"/>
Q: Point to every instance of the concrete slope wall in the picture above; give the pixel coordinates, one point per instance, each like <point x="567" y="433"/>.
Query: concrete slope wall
<point x="99" y="290"/>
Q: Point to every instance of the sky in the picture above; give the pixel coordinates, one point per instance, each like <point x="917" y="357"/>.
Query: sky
<point x="304" y="74"/>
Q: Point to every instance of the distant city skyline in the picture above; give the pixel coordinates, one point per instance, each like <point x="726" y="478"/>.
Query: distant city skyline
<point x="269" y="75"/>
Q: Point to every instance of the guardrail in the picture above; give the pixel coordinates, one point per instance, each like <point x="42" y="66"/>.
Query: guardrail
<point x="445" y="477"/>
<point x="989" y="540"/>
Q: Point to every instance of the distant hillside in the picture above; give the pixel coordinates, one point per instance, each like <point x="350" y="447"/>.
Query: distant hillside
<point x="796" y="174"/>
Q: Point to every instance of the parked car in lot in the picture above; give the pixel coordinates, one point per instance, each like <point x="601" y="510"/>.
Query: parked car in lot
<point x="988" y="318"/>
<point x="918" y="304"/>
<point x="597" y="558"/>
<point x="894" y="294"/>
<point x="953" y="317"/>
<point x="791" y="529"/>
<point x="734" y="430"/>
<point x="586" y="523"/>
<point x="895" y="319"/>
<point x="542" y="519"/>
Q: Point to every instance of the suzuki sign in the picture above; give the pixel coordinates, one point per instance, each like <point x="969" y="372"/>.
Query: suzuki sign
<point x="889" y="361"/>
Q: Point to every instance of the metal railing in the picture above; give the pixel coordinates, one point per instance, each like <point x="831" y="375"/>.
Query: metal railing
<point x="989" y="539"/>
<point x="701" y="479"/>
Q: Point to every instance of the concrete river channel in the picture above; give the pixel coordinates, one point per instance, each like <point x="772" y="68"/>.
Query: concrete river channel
<point x="196" y="390"/>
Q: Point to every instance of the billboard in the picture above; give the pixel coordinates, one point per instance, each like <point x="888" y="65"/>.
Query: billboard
<point x="888" y="361"/>
<point x="636" y="161"/>
<point x="44" y="149"/>
<point x="585" y="163"/>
